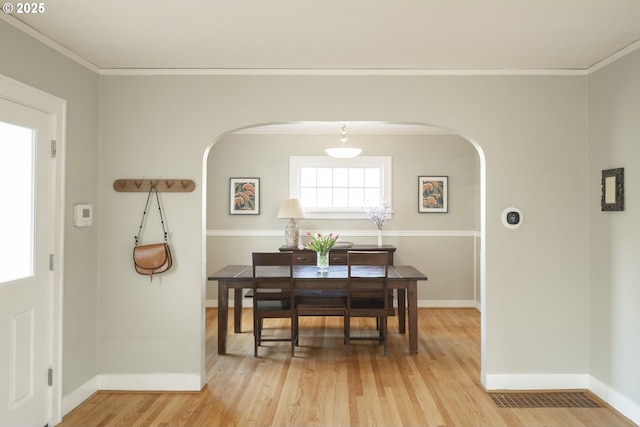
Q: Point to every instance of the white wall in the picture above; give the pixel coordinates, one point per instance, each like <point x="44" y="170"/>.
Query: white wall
<point x="614" y="251"/>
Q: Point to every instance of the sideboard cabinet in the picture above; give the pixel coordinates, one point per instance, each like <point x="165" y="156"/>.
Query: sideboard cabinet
<point x="337" y="255"/>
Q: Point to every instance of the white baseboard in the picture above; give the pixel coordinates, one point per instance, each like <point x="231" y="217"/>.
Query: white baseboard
<point x="536" y="382"/>
<point x="213" y="303"/>
<point x="426" y="303"/>
<point x="155" y="382"/>
<point x="130" y="382"/>
<point x="191" y="382"/>
<point x="620" y="403"/>
<point x="79" y="395"/>
<point x="617" y="401"/>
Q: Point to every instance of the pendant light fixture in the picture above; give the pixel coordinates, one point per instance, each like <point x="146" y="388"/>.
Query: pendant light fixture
<point x="343" y="152"/>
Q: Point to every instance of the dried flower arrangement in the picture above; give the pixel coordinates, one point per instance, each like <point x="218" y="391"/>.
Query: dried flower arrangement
<point x="378" y="214"/>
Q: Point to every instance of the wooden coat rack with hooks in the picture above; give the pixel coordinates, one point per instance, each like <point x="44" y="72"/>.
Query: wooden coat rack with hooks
<point x="163" y="185"/>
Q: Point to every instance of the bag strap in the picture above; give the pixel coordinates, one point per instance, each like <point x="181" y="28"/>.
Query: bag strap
<point x="144" y="213"/>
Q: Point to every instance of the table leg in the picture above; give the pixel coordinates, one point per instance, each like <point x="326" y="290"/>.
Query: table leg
<point x="223" y="308"/>
<point x="413" y="316"/>
<point x="237" y="311"/>
<point x="402" y="311"/>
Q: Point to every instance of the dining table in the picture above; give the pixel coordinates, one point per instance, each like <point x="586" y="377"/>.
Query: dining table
<point x="401" y="278"/>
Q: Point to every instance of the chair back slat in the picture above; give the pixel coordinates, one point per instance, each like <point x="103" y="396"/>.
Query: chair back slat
<point x="272" y="268"/>
<point x="360" y="264"/>
<point x="367" y="272"/>
<point x="274" y="260"/>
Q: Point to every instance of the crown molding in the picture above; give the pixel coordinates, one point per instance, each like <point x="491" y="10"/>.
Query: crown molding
<point x="50" y="43"/>
<point x="619" y="54"/>
<point x="309" y="71"/>
<point x="337" y="72"/>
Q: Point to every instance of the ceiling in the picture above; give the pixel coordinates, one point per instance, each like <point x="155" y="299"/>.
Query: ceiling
<point x="365" y="35"/>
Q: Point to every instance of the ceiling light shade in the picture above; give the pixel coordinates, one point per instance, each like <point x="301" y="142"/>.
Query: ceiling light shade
<point x="343" y="152"/>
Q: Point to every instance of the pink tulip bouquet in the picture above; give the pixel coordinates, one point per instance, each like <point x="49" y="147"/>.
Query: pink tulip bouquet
<point x="319" y="243"/>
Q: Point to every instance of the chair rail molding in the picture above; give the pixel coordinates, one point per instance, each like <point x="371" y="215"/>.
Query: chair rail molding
<point x="348" y="233"/>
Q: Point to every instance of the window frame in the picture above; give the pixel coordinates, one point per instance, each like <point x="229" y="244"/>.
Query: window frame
<point x="297" y="162"/>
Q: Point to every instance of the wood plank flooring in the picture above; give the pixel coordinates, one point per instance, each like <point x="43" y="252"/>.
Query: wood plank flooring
<point x="321" y="386"/>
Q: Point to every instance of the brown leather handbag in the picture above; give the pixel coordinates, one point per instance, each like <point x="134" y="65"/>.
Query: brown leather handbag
<point x="154" y="258"/>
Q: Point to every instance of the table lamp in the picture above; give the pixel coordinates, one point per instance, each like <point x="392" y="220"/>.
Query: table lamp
<point x="291" y="209"/>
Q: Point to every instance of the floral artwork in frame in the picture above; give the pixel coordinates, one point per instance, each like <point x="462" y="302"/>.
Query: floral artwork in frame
<point x="244" y="196"/>
<point x="432" y="194"/>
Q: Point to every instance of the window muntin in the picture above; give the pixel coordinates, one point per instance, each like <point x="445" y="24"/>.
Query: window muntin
<point x="332" y="188"/>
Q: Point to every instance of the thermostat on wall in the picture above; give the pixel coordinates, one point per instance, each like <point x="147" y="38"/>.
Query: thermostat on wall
<point x="512" y="218"/>
<point x="83" y="215"/>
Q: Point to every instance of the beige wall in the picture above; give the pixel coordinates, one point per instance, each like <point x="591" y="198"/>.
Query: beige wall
<point x="441" y="244"/>
<point x="30" y="62"/>
<point x="614" y="141"/>
<point x="533" y="134"/>
<point x="532" y="130"/>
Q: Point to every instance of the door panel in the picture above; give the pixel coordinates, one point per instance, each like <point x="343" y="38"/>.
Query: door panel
<point x="25" y="281"/>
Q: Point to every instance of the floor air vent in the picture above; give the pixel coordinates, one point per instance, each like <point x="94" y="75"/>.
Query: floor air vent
<point x="544" y="400"/>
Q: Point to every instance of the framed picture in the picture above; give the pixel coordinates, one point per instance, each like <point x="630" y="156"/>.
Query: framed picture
<point x="612" y="190"/>
<point x="244" y="196"/>
<point x="432" y="194"/>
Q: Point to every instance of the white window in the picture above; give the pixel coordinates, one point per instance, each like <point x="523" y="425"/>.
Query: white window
<point x="340" y="188"/>
<point x="17" y="168"/>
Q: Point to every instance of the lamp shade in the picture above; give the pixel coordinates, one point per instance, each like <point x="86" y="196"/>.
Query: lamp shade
<point x="291" y="208"/>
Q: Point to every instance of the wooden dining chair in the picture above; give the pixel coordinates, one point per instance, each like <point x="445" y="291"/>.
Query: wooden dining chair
<point x="321" y="302"/>
<point x="273" y="295"/>
<point x="368" y="294"/>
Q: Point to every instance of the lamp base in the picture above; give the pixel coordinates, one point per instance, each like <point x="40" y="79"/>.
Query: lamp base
<point x="291" y="234"/>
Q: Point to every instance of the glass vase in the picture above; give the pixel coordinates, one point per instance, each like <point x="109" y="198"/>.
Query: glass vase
<point x="322" y="261"/>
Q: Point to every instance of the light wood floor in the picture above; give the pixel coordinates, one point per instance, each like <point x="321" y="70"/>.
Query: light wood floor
<point x="320" y="386"/>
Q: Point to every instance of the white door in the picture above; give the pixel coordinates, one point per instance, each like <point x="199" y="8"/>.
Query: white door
<point x="26" y="231"/>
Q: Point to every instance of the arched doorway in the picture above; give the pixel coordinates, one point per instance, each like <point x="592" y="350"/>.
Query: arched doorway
<point x="267" y="232"/>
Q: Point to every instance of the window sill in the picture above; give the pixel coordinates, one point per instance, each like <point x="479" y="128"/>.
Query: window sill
<point x="340" y="215"/>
